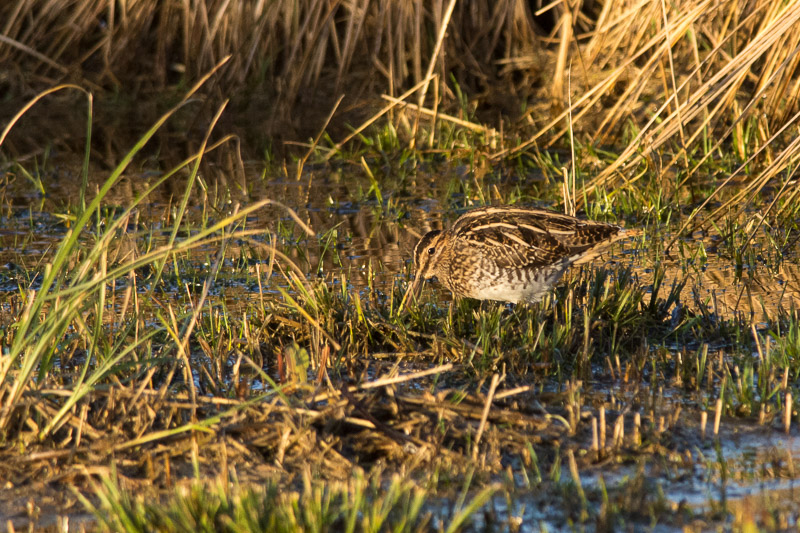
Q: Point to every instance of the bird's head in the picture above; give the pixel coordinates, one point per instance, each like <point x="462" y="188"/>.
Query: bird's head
<point x="427" y="255"/>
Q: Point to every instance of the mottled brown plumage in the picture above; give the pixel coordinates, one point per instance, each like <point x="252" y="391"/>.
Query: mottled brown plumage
<point x="510" y="254"/>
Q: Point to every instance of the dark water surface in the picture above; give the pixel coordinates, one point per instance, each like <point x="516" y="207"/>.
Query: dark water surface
<point x="357" y="236"/>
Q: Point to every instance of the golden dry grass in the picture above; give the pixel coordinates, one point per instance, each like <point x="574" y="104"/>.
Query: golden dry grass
<point x="671" y="84"/>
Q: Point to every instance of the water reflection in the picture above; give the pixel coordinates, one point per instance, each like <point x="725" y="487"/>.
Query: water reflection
<point x="357" y="237"/>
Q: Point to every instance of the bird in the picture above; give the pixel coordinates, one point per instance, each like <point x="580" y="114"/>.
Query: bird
<point x="507" y="253"/>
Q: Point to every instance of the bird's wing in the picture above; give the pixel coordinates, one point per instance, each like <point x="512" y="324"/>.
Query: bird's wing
<point x="529" y="238"/>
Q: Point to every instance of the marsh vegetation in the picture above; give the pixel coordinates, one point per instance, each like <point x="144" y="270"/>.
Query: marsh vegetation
<point x="207" y="212"/>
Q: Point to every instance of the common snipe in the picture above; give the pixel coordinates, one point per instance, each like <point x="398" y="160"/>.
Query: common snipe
<point x="510" y="254"/>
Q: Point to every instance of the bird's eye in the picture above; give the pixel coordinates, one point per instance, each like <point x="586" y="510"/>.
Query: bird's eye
<point x="431" y="251"/>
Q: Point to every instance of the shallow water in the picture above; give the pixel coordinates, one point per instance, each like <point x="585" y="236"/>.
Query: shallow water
<point x="364" y="240"/>
<point x="368" y="243"/>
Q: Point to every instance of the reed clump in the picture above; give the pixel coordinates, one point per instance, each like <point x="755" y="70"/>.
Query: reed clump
<point x="686" y="75"/>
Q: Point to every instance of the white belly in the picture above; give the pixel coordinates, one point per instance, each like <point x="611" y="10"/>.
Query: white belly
<point x="526" y="288"/>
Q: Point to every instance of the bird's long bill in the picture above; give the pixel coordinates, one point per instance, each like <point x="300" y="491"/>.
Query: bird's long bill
<point x="411" y="292"/>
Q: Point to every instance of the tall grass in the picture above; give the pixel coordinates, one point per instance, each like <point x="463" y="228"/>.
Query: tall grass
<point x="76" y="301"/>
<point x="678" y="88"/>
<point x="713" y="72"/>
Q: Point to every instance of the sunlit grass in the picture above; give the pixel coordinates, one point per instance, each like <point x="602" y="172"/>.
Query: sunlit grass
<point x="159" y="345"/>
<point x="278" y="359"/>
<point x="355" y="504"/>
